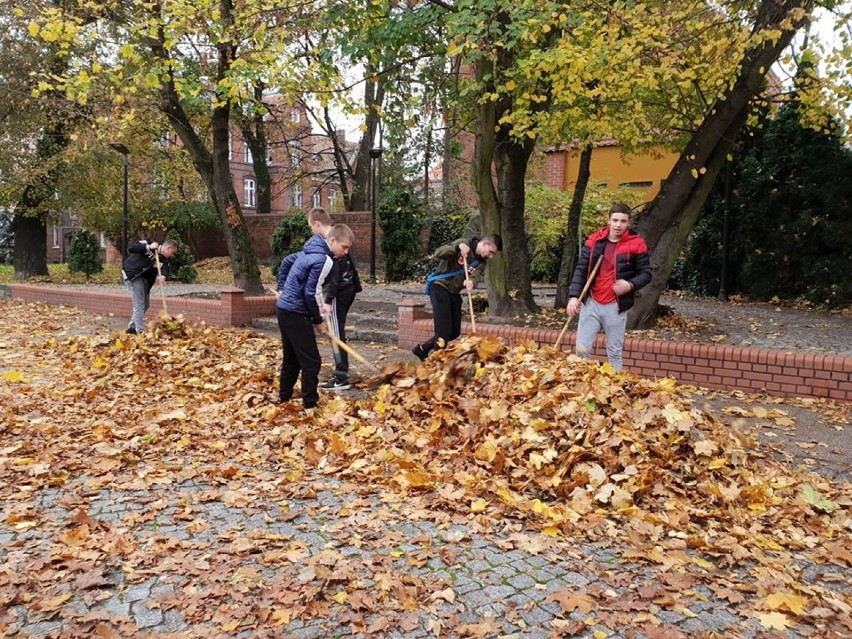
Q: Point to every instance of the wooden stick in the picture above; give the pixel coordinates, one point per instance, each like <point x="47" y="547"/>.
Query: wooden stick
<point x="351" y="351"/>
<point x="594" y="272"/>
<point x="334" y="341"/>
<point x="159" y="281"/>
<point x="469" y="296"/>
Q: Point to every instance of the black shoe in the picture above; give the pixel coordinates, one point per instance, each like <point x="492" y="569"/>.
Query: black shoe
<point x="335" y="385"/>
<point x="421" y="354"/>
<point x="131" y="330"/>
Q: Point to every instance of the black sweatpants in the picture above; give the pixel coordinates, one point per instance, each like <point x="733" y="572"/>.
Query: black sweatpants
<point x="299" y="346"/>
<point x="340" y="306"/>
<point x="446" y="315"/>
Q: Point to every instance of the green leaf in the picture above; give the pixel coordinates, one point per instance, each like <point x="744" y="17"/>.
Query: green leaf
<point x="817" y="499"/>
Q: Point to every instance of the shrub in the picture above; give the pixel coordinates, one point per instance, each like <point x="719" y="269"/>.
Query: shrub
<point x="84" y="254"/>
<point x="289" y="237"/>
<point x="182" y="265"/>
<point x="401" y="218"/>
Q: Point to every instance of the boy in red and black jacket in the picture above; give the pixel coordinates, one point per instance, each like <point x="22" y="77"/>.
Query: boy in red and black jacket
<point x="624" y="269"/>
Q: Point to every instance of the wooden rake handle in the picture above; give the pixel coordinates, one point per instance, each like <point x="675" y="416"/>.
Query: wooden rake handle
<point x="469" y="296"/>
<point x="585" y="292"/>
<point x="159" y="275"/>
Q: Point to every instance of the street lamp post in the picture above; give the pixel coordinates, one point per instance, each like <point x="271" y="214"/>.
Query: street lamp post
<point x="723" y="276"/>
<point x="125" y="152"/>
<point x="375" y="154"/>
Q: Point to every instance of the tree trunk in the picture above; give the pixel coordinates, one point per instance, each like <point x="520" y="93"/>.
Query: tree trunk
<point x="511" y="159"/>
<point x="30" y="253"/>
<point x="214" y="168"/>
<point x="29" y="257"/>
<point x="575" y="214"/>
<point x="237" y="237"/>
<point x="374" y="93"/>
<point x="254" y="133"/>
<point x="670" y="217"/>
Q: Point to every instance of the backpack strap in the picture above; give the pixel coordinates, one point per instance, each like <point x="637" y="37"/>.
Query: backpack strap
<point x="445" y="276"/>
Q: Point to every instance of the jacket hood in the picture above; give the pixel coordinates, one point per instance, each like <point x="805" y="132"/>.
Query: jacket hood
<point x="603" y="234"/>
<point x="317" y="244"/>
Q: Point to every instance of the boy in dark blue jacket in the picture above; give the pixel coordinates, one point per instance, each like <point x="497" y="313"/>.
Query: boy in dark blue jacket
<point x="301" y="309"/>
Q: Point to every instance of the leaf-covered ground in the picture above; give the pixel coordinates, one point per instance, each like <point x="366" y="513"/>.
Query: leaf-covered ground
<point x="151" y="486"/>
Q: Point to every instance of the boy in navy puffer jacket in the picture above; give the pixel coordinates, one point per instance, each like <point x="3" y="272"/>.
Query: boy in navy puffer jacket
<point x="301" y="309"/>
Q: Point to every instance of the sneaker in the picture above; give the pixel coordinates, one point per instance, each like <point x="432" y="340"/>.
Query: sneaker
<point x="310" y="411"/>
<point x="131" y="330"/>
<point x="335" y="385"/>
<point x="418" y="350"/>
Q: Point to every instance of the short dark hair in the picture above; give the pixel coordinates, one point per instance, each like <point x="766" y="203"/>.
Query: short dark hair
<point x="495" y="239"/>
<point x="621" y="207"/>
<point x="341" y="233"/>
<point x="319" y="214"/>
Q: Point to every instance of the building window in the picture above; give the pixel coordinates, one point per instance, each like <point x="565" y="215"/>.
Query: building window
<point x="316" y="198"/>
<point x="55" y="237"/>
<point x="249" y="193"/>
<point x="296" y="196"/>
<point x="295" y="116"/>
<point x="103" y="240"/>
<point x="332" y="195"/>
<point x="295" y="153"/>
<point x="248" y="158"/>
<point x="230" y="147"/>
<point x="636" y="185"/>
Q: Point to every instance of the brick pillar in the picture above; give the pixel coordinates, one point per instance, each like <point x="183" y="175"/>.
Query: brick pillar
<point x="232" y="306"/>
<point x="411" y="311"/>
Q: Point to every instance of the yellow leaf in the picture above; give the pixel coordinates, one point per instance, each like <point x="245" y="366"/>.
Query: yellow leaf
<point x="703" y="563"/>
<point x="551" y="531"/>
<point x="694" y="173"/>
<point x="231" y="625"/>
<point x="600" y="634"/>
<point x="14" y="376"/>
<point x="792" y="602"/>
<point x="478" y="506"/>
<point x="219" y="445"/>
<point x="340" y="597"/>
<point x="774" y="621"/>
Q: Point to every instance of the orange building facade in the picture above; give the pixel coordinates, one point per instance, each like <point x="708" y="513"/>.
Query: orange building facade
<point x="643" y="172"/>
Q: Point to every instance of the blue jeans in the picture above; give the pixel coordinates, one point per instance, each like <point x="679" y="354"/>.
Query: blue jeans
<point x="141" y="296"/>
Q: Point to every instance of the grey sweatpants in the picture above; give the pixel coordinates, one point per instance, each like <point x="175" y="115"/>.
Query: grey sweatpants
<point x="141" y="296"/>
<point x="593" y="317"/>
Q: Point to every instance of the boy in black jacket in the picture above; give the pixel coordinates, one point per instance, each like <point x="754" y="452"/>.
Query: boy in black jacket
<point x="339" y="293"/>
<point x="139" y="270"/>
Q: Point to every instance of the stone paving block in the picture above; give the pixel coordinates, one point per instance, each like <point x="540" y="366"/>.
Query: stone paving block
<point x="521" y="581"/>
<point x="537" y="616"/>
<point x="477" y="566"/>
<point x="137" y="592"/>
<point x="569" y="579"/>
<point x="504" y="572"/>
<point x="42" y="629"/>
<point x="718" y="621"/>
<point x="173" y="621"/>
<point x="116" y="606"/>
<point x="144" y="616"/>
<point x="671" y="617"/>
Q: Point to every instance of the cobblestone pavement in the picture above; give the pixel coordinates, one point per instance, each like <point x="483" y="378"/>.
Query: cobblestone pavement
<point x="425" y="574"/>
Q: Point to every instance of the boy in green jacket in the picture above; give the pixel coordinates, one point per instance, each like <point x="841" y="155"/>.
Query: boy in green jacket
<point x="445" y="284"/>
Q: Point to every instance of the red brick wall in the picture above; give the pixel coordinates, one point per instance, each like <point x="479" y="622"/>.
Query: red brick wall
<point x="233" y="309"/>
<point x="555" y="169"/>
<point x="725" y="367"/>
